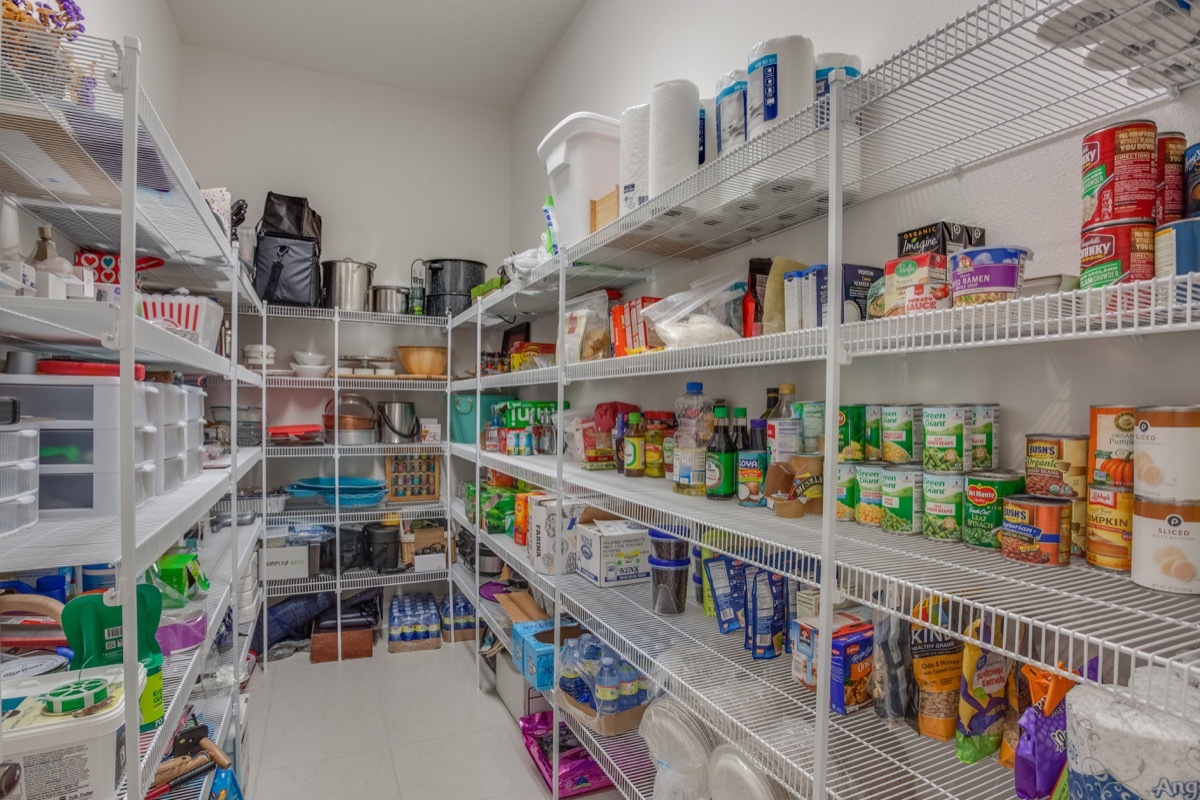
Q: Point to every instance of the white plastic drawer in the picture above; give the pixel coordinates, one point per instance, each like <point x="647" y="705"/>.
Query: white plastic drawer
<point x="194" y="402"/>
<point x="193" y="434"/>
<point x="18" y="512"/>
<point x="174" y="403"/>
<point x="99" y="448"/>
<point x="18" y="442"/>
<point x="193" y="464"/>
<point x="95" y="401"/>
<point x="174" y="439"/>
<point x="174" y="473"/>
<point x="82" y="494"/>
<point x="18" y="478"/>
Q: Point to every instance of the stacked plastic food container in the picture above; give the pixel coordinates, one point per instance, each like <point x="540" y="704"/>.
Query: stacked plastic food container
<point x="179" y="415"/>
<point x="18" y="477"/>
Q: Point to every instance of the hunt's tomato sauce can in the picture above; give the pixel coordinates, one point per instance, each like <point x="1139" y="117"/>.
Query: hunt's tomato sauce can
<point x="1120" y="174"/>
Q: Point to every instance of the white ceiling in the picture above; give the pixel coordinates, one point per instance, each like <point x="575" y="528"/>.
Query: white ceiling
<point x="481" y="51"/>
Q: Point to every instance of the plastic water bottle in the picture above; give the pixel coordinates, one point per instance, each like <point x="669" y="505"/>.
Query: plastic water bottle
<point x="628" y="686"/>
<point x="395" y="623"/>
<point x="408" y="623"/>
<point x="643" y="695"/>
<point x="608" y="688"/>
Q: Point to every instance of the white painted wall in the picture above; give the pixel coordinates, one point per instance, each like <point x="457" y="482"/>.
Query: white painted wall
<point x="152" y="23"/>
<point x="613" y="53"/>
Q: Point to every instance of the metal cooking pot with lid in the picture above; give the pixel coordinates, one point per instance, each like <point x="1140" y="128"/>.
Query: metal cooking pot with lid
<point x="355" y="413"/>
<point x="398" y="423"/>
<point x="348" y="284"/>
<point x="389" y="299"/>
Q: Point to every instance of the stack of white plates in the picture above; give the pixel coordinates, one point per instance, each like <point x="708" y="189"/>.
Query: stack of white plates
<point x="731" y="776"/>
<point x="678" y="742"/>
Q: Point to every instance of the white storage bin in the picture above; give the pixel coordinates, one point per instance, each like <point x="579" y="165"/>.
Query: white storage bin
<point x="18" y="512"/>
<point x="194" y="402"/>
<point x="95" y="401"/>
<point x="64" y="494"/>
<point x="174" y="439"/>
<point x="193" y="434"/>
<point x="95" y="447"/>
<point x="174" y="403"/>
<point x="582" y="157"/>
<point x="173" y="473"/>
<point x="18" y="478"/>
<point x="18" y="442"/>
<point x="193" y="464"/>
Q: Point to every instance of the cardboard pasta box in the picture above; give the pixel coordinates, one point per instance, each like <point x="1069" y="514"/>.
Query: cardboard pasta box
<point x="853" y="646"/>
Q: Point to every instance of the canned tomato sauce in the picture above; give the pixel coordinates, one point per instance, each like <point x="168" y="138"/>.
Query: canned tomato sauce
<point x="1116" y="253"/>
<point x="903" y="439"/>
<point x="1166" y="545"/>
<point x="1120" y="180"/>
<point x="1036" y="530"/>
<point x="1166" y="441"/>
<point x="985" y="435"/>
<point x="1056" y="464"/>
<point x="1168" y="200"/>
<point x="1109" y="527"/>
<point x="983" y="505"/>
<point x="1110" y="446"/>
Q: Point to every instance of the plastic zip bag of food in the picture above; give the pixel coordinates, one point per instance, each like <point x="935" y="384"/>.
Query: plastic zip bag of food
<point x="587" y="331"/>
<point x="1041" y="760"/>
<point x="891" y="673"/>
<point x="695" y="316"/>
<point x="727" y="576"/>
<point x="982" y="700"/>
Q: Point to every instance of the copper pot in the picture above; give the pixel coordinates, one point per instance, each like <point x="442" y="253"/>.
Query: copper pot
<point x="350" y="421"/>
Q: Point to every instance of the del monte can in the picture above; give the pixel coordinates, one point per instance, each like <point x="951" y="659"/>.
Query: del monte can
<point x="983" y="505"/>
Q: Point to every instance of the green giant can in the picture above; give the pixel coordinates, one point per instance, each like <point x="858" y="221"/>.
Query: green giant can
<point x="903" y="506"/>
<point x="943" y="493"/>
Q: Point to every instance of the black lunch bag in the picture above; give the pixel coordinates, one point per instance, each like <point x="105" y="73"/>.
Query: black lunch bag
<point x="287" y="270"/>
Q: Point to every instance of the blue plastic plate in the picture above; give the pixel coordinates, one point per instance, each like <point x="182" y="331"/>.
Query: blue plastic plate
<point x="345" y="485"/>
<point x="356" y="500"/>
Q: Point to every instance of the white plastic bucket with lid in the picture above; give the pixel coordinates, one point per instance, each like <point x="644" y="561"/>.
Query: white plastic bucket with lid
<point x="582" y="157"/>
<point x="91" y="750"/>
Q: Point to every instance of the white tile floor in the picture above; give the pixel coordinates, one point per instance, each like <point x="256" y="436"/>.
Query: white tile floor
<point x="398" y="725"/>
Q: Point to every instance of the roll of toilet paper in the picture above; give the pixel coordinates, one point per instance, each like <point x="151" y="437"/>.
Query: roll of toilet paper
<point x="708" y="130"/>
<point x="779" y="82"/>
<point x="674" y="112"/>
<point x="635" y="157"/>
<point x="1117" y="749"/>
<point x="731" y="111"/>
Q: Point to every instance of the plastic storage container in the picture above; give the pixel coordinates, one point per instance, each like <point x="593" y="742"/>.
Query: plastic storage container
<point x="669" y="584"/>
<point x="93" y="745"/>
<point x="18" y="442"/>
<point x="18" y="478"/>
<point x="174" y="403"/>
<point x="67" y="493"/>
<point x="666" y="544"/>
<point x="194" y="402"/>
<point x="582" y="158"/>
<point x="18" y="512"/>
<point x="99" y="448"/>
<point x="95" y="401"/>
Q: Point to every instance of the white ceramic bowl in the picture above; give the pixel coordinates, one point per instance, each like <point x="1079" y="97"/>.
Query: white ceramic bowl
<point x="310" y="370"/>
<point x="385" y="372"/>
<point x="309" y="359"/>
<point x="258" y="350"/>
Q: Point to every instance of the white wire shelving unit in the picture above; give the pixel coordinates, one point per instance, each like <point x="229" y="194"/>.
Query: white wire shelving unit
<point x="83" y="150"/>
<point x="1009" y="74"/>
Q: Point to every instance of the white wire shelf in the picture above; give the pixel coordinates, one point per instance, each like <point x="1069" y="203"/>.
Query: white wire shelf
<point x="326" y="450"/>
<point x="62" y="159"/>
<point x="160" y="522"/>
<point x="1043" y="615"/>
<point x="380" y="384"/>
<point x="366" y="317"/>
<point x="462" y="385"/>
<point x="351" y="579"/>
<point x="247" y="377"/>
<point x="87" y="329"/>
<point x="624" y="759"/>
<point x="215" y="707"/>
<point x="327" y="515"/>
<point x="180" y="670"/>
<point x="489" y="611"/>
<point x="525" y="377"/>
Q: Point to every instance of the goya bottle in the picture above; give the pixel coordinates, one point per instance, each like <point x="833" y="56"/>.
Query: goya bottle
<point x="635" y="447"/>
<point x="720" y="463"/>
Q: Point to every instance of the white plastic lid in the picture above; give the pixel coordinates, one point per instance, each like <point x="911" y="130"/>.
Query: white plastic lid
<point x="674" y="736"/>
<point x="581" y="123"/>
<point x="732" y="777"/>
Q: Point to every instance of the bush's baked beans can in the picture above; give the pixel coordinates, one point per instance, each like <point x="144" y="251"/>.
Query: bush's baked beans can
<point x="1191" y="181"/>
<point x="1056" y="464"/>
<point x="1120" y="177"/>
<point x="983" y="505"/>
<point x="1116" y="253"/>
<point x="1166" y="545"/>
<point x="1166" y="440"/>
<point x="1036" y="529"/>
<point x="1110" y="446"/>
<point x="1168" y="200"/>
<point x="1109" y="527"/>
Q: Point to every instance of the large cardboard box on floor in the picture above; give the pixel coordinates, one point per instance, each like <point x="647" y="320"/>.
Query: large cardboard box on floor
<point x="549" y="534"/>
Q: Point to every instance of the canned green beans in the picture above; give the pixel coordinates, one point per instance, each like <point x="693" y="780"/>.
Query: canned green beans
<point x="852" y="433"/>
<point x="902" y="503"/>
<point x="874" y="440"/>
<point x="943" y="504"/>
<point x="947" y="438"/>
<point x="869" y="478"/>
<point x="983" y="505"/>
<point x="901" y="433"/>
<point x="985" y="435"/>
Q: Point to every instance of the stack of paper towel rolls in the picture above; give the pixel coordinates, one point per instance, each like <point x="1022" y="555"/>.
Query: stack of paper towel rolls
<point x="635" y="157"/>
<point x="708" y="130"/>
<point x="731" y="111"/>
<point x="780" y="82"/>
<point x="674" y="112"/>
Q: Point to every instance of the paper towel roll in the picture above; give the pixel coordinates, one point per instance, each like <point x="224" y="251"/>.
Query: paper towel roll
<point x="635" y="157"/>
<point x="731" y="111"/>
<point x="674" y="112"/>
<point x="827" y="63"/>
<point x="852" y="169"/>
<point x="1116" y="749"/>
<point x="708" y="130"/>
<point x="780" y="82"/>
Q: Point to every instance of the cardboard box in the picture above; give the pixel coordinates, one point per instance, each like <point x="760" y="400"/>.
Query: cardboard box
<point x="285" y="563"/>
<point x="549" y="535"/>
<point x="630" y="333"/>
<point x="814" y="293"/>
<point x="524" y="352"/>
<point x="518" y="697"/>
<point x="416" y="645"/>
<point x="613" y="553"/>
<point x="521" y="516"/>
<point x="429" y="537"/>
<point x="431" y="430"/>
<point x="81" y="284"/>
<point x="901" y="273"/>
<point x="519" y="413"/>
<point x="526" y="615"/>
<point x="853" y="644"/>
<point x="18" y="277"/>
<point x="944" y="238"/>
<point x="606" y="724"/>
<point x="537" y="653"/>
<point x="356" y="643"/>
